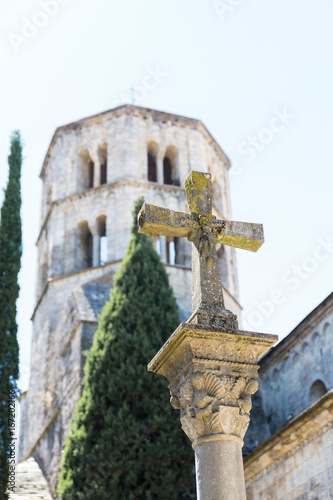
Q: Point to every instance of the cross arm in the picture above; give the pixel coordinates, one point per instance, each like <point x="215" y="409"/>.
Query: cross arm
<point x="162" y="221"/>
<point x="244" y="235"/>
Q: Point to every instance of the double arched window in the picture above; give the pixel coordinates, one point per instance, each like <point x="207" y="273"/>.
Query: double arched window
<point x="92" y="246"/>
<point x="92" y="173"/>
<point x="165" y="172"/>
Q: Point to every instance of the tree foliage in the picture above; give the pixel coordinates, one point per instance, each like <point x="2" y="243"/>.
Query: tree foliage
<point x="10" y="262"/>
<point x="126" y="441"/>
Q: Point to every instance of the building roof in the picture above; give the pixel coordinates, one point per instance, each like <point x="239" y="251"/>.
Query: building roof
<point x="30" y="483"/>
<point x="91" y="297"/>
<point x="130" y="109"/>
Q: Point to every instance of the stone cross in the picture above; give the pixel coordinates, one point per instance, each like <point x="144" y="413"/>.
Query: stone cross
<point x="203" y="229"/>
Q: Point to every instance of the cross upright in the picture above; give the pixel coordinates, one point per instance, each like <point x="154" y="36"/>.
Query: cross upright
<point x="203" y="229"/>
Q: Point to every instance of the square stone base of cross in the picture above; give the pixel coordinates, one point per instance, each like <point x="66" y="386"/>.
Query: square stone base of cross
<point x="216" y="318"/>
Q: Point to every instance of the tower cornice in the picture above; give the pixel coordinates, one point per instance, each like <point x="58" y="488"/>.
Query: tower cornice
<point x="106" y="187"/>
<point x="130" y="109"/>
<point x="111" y="186"/>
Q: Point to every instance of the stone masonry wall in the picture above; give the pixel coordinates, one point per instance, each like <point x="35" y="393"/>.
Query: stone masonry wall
<point x="293" y="375"/>
<point x="297" y="464"/>
<point x="305" y="475"/>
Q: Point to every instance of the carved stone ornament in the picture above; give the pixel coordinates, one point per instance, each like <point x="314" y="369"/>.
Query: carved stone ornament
<point x="211" y="404"/>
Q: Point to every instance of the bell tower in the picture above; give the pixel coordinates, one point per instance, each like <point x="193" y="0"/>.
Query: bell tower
<point x="94" y="170"/>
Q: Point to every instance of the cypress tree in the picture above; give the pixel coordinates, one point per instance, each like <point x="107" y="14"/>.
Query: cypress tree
<point x="10" y="262"/>
<point x="125" y="440"/>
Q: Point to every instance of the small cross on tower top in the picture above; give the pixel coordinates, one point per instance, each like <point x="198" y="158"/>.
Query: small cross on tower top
<point x="203" y="229"/>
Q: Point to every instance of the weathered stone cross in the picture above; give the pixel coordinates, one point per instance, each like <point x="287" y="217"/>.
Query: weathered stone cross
<point x="204" y="231"/>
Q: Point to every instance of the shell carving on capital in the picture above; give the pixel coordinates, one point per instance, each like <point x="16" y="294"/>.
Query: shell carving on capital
<point x="214" y="404"/>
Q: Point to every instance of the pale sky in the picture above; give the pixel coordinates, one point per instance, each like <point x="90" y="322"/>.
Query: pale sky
<point x="258" y="73"/>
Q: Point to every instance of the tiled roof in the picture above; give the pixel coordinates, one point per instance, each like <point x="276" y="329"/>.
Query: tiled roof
<point x="30" y="482"/>
<point x="91" y="297"/>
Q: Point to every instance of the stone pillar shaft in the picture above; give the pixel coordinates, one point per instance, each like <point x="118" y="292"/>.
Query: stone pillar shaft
<point x="159" y="168"/>
<point x="97" y="174"/>
<point x="163" y="249"/>
<point x="219" y="470"/>
<point x="96" y="250"/>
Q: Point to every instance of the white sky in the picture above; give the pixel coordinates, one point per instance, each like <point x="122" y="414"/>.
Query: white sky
<point x="235" y="65"/>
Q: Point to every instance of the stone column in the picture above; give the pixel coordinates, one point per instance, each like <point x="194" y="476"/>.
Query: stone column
<point x="159" y="167"/>
<point x="163" y="248"/>
<point x="219" y="469"/>
<point x="212" y="374"/>
<point x="96" y="250"/>
<point x="97" y="173"/>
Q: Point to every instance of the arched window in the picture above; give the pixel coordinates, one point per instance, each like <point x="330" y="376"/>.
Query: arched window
<point x="318" y="389"/>
<point x="152" y="161"/>
<point x="170" y="166"/>
<point x="305" y="347"/>
<point x="103" y="242"/>
<point x="85" y="247"/>
<point x="327" y="329"/>
<point x="295" y="358"/>
<point x="85" y="174"/>
<point x="315" y="339"/>
<point x="102" y="153"/>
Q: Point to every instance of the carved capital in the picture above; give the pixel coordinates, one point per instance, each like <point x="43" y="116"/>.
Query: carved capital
<point x="212" y="374"/>
<point x="214" y="404"/>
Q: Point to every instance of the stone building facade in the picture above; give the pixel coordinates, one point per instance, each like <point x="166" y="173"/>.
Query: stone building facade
<point x="289" y="444"/>
<point x="93" y="172"/>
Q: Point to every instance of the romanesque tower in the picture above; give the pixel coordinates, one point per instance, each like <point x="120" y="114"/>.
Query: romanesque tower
<point x="93" y="172"/>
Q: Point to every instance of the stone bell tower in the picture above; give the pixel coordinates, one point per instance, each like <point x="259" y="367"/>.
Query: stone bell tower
<point x="94" y="170"/>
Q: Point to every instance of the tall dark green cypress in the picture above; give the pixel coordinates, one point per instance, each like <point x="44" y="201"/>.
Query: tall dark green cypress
<point x="126" y="441"/>
<point x="10" y="262"/>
